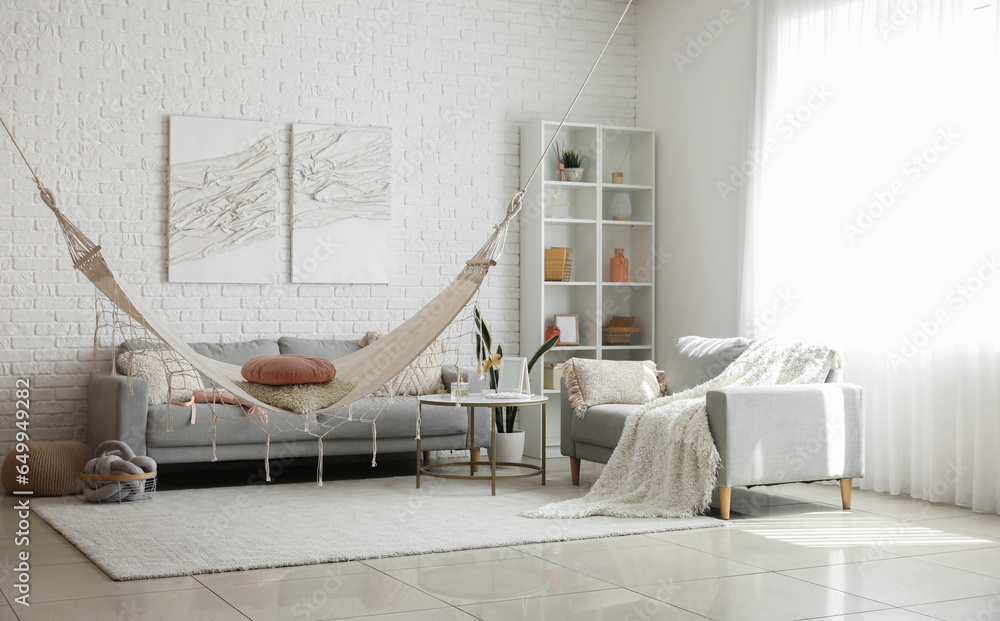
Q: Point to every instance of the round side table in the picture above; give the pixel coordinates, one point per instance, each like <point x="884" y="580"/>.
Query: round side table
<point x="470" y="403"/>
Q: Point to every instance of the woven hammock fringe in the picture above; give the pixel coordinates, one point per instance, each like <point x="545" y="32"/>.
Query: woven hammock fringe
<point x="319" y="459"/>
<point x="418" y="421"/>
<point x="267" y="459"/>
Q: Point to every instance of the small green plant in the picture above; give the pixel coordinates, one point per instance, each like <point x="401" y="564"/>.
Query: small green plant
<point x="572" y="159"/>
<point x="489" y="363"/>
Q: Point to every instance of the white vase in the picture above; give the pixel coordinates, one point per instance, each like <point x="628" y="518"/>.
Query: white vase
<point x="510" y="446"/>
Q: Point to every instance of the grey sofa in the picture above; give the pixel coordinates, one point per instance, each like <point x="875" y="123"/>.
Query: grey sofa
<point x="765" y="435"/>
<point x="115" y="414"/>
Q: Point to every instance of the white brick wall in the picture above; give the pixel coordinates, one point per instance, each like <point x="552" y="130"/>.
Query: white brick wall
<point x="88" y="87"/>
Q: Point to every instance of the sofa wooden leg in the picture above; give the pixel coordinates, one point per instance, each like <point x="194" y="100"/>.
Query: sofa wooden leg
<point x="475" y="457"/>
<point x="845" y="493"/>
<point x="427" y="457"/>
<point x="725" y="498"/>
<point x="574" y="469"/>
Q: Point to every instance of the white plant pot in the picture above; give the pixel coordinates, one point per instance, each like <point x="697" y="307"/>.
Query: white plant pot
<point x="510" y="446"/>
<point x="573" y="174"/>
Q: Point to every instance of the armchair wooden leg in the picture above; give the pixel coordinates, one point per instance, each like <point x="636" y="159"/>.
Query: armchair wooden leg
<point x="574" y="469"/>
<point x="725" y="499"/>
<point x="845" y="493"/>
<point x="475" y="457"/>
<point x="427" y="457"/>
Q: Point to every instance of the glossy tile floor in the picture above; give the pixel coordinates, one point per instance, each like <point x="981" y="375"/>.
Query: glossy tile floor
<point x="790" y="553"/>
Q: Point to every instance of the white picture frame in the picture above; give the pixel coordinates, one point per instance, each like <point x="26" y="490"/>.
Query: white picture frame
<point x="569" y="329"/>
<point x="222" y="216"/>
<point x="514" y="376"/>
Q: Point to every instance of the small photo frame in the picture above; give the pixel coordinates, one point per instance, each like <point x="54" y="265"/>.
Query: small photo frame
<point x="569" y="329"/>
<point x="514" y="375"/>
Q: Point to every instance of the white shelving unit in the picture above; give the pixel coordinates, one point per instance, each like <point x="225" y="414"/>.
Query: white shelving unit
<point x="586" y="226"/>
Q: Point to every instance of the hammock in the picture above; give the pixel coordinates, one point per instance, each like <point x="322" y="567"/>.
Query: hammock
<point x="367" y="369"/>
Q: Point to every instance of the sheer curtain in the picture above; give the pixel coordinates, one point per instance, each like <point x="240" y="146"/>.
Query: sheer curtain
<point x="873" y="222"/>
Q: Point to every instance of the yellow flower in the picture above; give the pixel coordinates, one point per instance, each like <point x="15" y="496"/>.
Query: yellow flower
<point x="492" y="361"/>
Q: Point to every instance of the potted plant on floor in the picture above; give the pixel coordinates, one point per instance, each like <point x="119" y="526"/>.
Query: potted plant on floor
<point x="510" y="442"/>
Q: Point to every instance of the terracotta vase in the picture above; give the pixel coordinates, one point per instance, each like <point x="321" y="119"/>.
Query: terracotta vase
<point x="619" y="266"/>
<point x="551" y="331"/>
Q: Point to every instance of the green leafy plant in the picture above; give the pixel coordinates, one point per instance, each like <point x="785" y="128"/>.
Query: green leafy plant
<point x="572" y="159"/>
<point x="489" y="364"/>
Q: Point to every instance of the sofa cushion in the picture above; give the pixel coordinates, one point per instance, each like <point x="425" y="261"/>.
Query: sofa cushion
<point x="398" y="419"/>
<point x="288" y="369"/>
<point x="237" y="353"/>
<point x="602" y="425"/>
<point x="596" y="382"/>
<point x="327" y="349"/>
<point x="169" y="375"/>
<point x="698" y="359"/>
<point x="234" y="427"/>
<point x="420" y="377"/>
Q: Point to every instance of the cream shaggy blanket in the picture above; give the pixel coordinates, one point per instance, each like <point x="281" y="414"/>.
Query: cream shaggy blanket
<point x="665" y="463"/>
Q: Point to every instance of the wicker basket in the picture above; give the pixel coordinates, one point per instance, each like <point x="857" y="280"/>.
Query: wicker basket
<point x="621" y="331"/>
<point x="558" y="262"/>
<point x="126" y="487"/>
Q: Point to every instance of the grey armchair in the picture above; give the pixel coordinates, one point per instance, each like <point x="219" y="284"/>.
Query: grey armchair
<point x="765" y="435"/>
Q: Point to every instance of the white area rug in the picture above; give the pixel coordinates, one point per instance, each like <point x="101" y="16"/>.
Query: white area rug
<point x="224" y="529"/>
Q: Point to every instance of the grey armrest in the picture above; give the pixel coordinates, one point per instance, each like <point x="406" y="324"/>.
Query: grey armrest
<point x="566" y="445"/>
<point x="114" y="414"/>
<point x="788" y="433"/>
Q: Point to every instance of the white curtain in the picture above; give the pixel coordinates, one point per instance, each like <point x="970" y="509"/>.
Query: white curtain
<point x="873" y="222"/>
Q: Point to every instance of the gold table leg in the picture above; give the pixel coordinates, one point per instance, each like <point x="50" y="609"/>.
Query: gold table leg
<point x="543" y="443"/>
<point x="419" y="454"/>
<point x="493" y="450"/>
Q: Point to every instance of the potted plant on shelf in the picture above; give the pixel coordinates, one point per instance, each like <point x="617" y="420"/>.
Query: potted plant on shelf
<point x="570" y="163"/>
<point x="510" y="442"/>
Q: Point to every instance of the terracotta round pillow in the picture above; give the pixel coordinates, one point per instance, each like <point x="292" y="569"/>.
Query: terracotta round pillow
<point x="287" y="370"/>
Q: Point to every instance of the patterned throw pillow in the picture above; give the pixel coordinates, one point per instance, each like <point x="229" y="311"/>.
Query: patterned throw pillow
<point x="170" y="377"/>
<point x="421" y="377"/>
<point x="596" y="382"/>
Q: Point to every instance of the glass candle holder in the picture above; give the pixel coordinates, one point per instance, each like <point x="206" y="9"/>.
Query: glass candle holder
<point x="459" y="389"/>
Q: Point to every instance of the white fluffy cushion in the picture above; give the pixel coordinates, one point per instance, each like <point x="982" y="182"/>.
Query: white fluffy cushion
<point x="421" y="377"/>
<point x="596" y="382"/>
<point x="170" y="377"/>
<point x="299" y="398"/>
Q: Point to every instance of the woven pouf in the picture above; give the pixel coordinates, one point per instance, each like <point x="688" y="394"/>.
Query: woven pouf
<point x="53" y="468"/>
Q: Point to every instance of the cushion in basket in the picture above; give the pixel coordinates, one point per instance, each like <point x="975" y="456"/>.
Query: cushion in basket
<point x="170" y="377"/>
<point x="420" y="377"/>
<point x="55" y="468"/>
<point x="288" y="370"/>
<point x="596" y="382"/>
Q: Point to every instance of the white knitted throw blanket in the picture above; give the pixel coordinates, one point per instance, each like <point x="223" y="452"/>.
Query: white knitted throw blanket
<point x="665" y="463"/>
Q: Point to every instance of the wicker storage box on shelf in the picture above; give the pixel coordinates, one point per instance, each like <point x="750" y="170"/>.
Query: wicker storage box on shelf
<point x="558" y="262"/>
<point x="115" y="489"/>
<point x="621" y="331"/>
